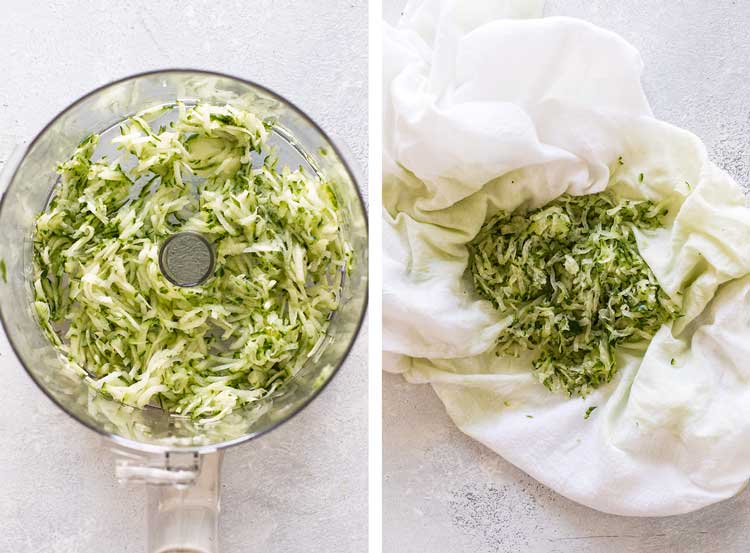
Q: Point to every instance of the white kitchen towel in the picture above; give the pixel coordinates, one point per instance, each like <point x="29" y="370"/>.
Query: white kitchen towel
<point x="488" y="108"/>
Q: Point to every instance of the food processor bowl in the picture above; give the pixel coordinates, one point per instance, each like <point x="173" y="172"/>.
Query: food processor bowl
<point x="178" y="457"/>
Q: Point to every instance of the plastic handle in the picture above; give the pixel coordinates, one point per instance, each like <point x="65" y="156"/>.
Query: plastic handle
<point x="184" y="518"/>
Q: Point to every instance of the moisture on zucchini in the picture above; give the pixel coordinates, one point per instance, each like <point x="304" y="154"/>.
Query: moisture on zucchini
<point x="573" y="284"/>
<point x="202" y="351"/>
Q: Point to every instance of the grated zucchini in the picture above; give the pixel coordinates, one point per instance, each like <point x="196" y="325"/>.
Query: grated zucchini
<point x="203" y="351"/>
<point x="571" y="280"/>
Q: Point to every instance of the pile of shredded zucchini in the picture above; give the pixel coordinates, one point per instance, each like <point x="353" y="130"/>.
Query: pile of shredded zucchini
<point x="571" y="279"/>
<point x="202" y="351"/>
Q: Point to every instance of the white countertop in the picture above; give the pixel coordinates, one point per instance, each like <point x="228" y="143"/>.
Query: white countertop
<point x="445" y="493"/>
<point x="303" y="488"/>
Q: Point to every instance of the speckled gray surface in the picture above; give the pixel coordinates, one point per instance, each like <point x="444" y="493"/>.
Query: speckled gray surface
<point x="302" y="488"/>
<point x="445" y="493"/>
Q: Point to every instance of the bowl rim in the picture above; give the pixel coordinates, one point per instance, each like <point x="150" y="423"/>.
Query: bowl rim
<point x="147" y="447"/>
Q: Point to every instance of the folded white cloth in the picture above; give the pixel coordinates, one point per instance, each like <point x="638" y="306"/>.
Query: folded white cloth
<point x="487" y="110"/>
